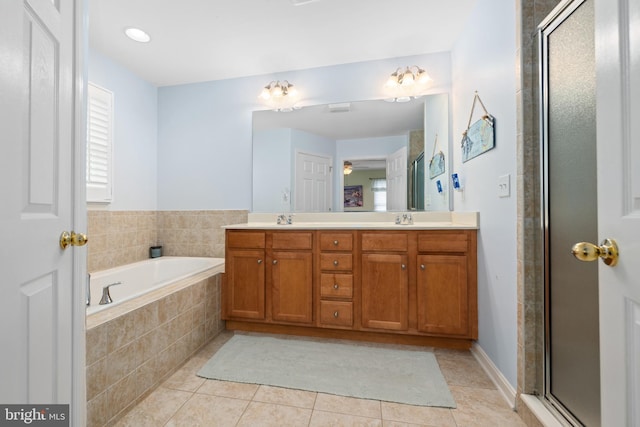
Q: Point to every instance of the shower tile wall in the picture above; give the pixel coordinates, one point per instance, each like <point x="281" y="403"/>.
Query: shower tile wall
<point x="122" y="237"/>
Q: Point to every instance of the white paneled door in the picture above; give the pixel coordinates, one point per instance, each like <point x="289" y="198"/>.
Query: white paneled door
<point x="313" y="183"/>
<point x="41" y="314"/>
<point x="618" y="147"/>
<point x="397" y="180"/>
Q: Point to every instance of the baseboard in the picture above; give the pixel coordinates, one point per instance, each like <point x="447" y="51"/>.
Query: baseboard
<point x="505" y="388"/>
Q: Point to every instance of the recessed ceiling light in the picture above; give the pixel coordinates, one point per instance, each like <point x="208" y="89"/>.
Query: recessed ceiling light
<point x="301" y="2"/>
<point x="137" y="34"/>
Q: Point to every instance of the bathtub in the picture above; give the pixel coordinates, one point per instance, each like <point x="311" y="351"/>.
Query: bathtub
<point x="152" y="278"/>
<point x="164" y="312"/>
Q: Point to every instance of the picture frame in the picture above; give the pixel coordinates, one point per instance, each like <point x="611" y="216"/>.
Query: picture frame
<point x="353" y="196"/>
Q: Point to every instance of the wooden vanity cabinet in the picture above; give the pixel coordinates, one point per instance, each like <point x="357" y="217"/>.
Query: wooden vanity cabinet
<point x="446" y="283"/>
<point x="391" y="285"/>
<point x="385" y="281"/>
<point x="268" y="276"/>
<point x="290" y="272"/>
<point x="244" y="284"/>
<point x="336" y="277"/>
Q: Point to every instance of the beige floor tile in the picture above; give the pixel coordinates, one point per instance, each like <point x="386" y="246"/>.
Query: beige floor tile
<point x="204" y="410"/>
<point x="285" y="396"/>
<point x="348" y="405"/>
<point x="184" y="379"/>
<point x="462" y="369"/>
<point x="228" y="389"/>
<point x="422" y="415"/>
<point x="481" y="407"/>
<point x="156" y="409"/>
<point x="387" y="423"/>
<point x="259" y="414"/>
<point x="324" y="419"/>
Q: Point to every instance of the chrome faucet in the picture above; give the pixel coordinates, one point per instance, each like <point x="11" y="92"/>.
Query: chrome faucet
<point x="106" y="297"/>
<point x="284" y="219"/>
<point x="404" y="219"/>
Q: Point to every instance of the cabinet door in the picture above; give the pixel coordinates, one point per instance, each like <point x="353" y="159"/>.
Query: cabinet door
<point x="385" y="291"/>
<point x="245" y="284"/>
<point x="292" y="286"/>
<point x="443" y="294"/>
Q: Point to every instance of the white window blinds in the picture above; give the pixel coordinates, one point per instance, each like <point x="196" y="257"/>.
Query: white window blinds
<point x="99" y="144"/>
<point x="379" y="188"/>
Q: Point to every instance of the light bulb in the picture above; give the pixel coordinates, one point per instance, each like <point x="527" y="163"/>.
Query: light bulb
<point x="407" y="78"/>
<point x="423" y="77"/>
<point x="265" y="93"/>
<point x="137" y="34"/>
<point x="276" y="91"/>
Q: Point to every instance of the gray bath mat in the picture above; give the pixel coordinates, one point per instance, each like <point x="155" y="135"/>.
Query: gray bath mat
<point x="392" y="375"/>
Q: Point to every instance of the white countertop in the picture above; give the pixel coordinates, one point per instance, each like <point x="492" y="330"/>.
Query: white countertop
<point x="363" y="221"/>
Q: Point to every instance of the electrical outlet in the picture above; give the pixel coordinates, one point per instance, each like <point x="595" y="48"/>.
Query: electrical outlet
<point x="504" y="186"/>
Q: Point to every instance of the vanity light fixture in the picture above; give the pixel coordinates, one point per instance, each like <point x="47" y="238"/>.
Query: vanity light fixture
<point x="281" y="96"/>
<point x="348" y="167"/>
<point x="407" y="83"/>
<point x="138" y="35"/>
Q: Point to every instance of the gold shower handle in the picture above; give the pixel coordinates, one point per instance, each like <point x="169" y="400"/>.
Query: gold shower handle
<point x="73" y="239"/>
<point x="608" y="251"/>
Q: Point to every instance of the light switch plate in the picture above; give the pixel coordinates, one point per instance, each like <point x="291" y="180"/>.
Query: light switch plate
<point x="504" y="186"/>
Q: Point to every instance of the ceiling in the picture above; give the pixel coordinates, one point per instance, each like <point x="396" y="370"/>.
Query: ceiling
<point x="202" y="40"/>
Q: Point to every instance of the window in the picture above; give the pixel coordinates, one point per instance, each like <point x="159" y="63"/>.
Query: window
<point x="379" y="188"/>
<point x="99" y="144"/>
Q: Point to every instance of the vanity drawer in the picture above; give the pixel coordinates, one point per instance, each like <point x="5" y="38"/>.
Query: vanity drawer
<point x="336" y="241"/>
<point x="385" y="241"/>
<point x="336" y="262"/>
<point x="245" y="239"/>
<point x="289" y="240"/>
<point x="443" y="242"/>
<point x="336" y="285"/>
<point x="336" y="313"/>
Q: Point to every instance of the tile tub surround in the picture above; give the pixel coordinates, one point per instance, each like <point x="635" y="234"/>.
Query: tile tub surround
<point x="181" y="233"/>
<point x="129" y="356"/>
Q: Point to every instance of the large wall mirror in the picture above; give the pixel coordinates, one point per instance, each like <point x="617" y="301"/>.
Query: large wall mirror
<point x="356" y="156"/>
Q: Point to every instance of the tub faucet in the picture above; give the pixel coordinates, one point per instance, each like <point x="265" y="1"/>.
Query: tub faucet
<point x="106" y="298"/>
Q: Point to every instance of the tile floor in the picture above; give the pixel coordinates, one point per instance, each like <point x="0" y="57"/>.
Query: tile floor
<point x="188" y="400"/>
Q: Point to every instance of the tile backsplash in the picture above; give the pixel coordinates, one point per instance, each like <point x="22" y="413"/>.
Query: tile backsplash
<point x="122" y="237"/>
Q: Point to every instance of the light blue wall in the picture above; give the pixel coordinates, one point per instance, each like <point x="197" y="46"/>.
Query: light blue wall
<point x="135" y="176"/>
<point x="272" y="174"/>
<point x="436" y="122"/>
<point x="205" y="141"/>
<point x="483" y="59"/>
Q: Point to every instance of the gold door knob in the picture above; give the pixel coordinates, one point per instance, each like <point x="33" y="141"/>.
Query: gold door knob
<point x="608" y="251"/>
<point x="73" y="239"/>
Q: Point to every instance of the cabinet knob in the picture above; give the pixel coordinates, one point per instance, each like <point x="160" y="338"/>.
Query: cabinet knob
<point x="335" y="286"/>
<point x="422" y="267"/>
<point x="335" y="262"/>
<point x="404" y="267"/>
<point x="275" y="261"/>
<point x="335" y="242"/>
<point x="335" y="314"/>
<point x="259" y="261"/>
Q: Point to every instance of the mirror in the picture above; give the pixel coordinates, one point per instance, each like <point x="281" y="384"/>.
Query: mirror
<point x="299" y="157"/>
